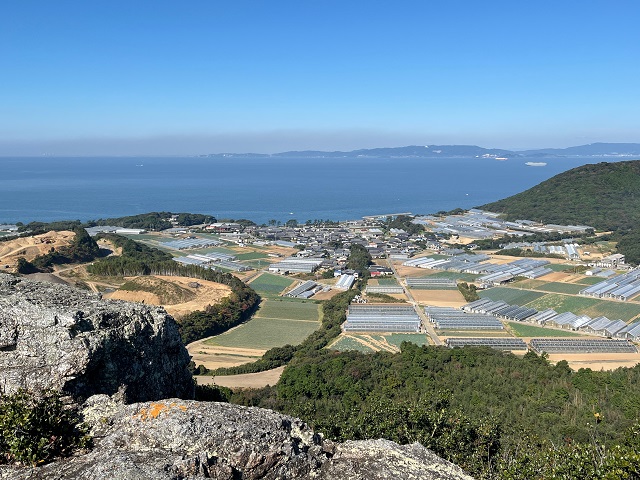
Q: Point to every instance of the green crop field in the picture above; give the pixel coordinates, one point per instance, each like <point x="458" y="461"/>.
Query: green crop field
<point x="387" y="281"/>
<point x="299" y="310"/>
<point x="465" y="277"/>
<point x="213" y="250"/>
<point x="560" y="267"/>
<point x="510" y="295"/>
<point x="613" y="310"/>
<point x="270" y="284"/>
<point x="526" y="330"/>
<point x="559" y="287"/>
<point x="265" y="333"/>
<point x="564" y="303"/>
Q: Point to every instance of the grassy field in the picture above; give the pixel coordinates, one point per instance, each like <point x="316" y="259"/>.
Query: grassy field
<point x="564" y="303"/>
<point x="270" y="284"/>
<point x="510" y="295"/>
<point x="559" y="287"/>
<point x="375" y="343"/>
<point x="526" y="330"/>
<point x="387" y="281"/>
<point x="348" y="343"/>
<point x="560" y="267"/>
<point x="300" y="310"/>
<point x="613" y="310"/>
<point x="265" y="333"/>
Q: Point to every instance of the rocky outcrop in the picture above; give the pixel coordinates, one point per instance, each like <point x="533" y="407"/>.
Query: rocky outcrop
<point x="57" y="337"/>
<point x="174" y="439"/>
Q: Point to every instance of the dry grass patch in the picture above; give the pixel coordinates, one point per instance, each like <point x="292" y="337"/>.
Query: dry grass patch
<point x="179" y="295"/>
<point x="439" y="298"/>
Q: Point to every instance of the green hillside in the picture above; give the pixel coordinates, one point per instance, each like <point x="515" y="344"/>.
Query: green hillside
<point x="604" y="195"/>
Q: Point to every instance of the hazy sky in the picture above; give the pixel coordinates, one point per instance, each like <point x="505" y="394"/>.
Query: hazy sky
<point x="204" y="76"/>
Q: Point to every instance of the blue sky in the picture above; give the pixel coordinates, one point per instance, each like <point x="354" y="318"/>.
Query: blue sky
<point x="154" y="77"/>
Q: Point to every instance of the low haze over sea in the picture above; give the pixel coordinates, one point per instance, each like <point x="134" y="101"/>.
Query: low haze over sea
<point x="260" y="189"/>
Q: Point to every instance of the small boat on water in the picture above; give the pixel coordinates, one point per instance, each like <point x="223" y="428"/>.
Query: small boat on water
<point x="501" y="159"/>
<point x="536" y="164"/>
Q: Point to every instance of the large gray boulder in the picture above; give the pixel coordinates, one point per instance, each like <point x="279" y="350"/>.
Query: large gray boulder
<point x="57" y="337"/>
<point x="175" y="439"/>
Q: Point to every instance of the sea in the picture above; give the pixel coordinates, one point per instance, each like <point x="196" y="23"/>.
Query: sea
<point x="259" y="189"/>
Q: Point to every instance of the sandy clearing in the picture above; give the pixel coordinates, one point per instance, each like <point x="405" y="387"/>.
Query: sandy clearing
<point x="439" y="298"/>
<point x="247" y="380"/>
<point x="326" y="295"/>
<point x="31" y="247"/>
<point x="207" y="293"/>
<point x="557" y="277"/>
<point x="213" y="356"/>
<point x="597" y="361"/>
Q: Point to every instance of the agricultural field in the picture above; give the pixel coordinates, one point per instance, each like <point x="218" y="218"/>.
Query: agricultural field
<point x="614" y="310"/>
<point x="529" y="284"/>
<point x="527" y="330"/>
<point x="563" y="303"/>
<point x="270" y="284"/>
<point x="387" y="281"/>
<point x="561" y="267"/>
<point x="376" y="342"/>
<point x="589" y="280"/>
<point x="265" y="333"/>
<point x="298" y="310"/>
<point x="511" y="295"/>
<point x="276" y="323"/>
<point x="559" y="287"/>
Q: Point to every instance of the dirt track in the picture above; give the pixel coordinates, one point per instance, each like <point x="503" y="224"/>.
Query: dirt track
<point x="247" y="380"/>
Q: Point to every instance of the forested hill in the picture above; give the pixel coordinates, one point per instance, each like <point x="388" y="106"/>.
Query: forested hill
<point x="604" y="195"/>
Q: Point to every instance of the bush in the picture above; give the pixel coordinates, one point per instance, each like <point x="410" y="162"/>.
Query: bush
<point x="35" y="428"/>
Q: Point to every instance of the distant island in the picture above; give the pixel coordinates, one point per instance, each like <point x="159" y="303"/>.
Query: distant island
<point x="596" y="150"/>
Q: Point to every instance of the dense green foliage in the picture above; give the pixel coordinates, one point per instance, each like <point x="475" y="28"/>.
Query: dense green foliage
<point x="359" y="260"/>
<point x="468" y="291"/>
<point x="37" y="428"/>
<point x="146" y="221"/>
<point x="605" y="196"/>
<point x="493" y="406"/>
<point x="405" y="223"/>
<point x="36" y="228"/>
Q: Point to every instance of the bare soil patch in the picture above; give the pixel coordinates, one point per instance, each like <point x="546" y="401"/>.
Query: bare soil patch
<point x="214" y="356"/>
<point x="439" y="298"/>
<point x="179" y="295"/>
<point x="31" y="247"/>
<point x="326" y="295"/>
<point x="247" y="380"/>
<point x="597" y="361"/>
<point x="558" y="277"/>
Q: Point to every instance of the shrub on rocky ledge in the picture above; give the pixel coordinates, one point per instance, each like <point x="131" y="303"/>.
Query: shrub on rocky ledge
<point x="35" y="429"/>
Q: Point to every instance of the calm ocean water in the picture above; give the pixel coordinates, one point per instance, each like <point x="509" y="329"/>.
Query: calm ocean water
<point x="260" y="189"/>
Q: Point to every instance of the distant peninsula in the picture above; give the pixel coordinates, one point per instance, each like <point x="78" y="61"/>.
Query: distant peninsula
<point x="596" y="150"/>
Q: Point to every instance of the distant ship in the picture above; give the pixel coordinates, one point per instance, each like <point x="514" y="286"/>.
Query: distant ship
<point x="536" y="164"/>
<point x="501" y="159"/>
